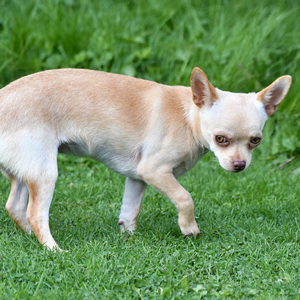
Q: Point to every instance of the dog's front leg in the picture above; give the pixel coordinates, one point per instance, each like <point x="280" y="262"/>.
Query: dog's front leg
<point x="166" y="183"/>
<point x="131" y="204"/>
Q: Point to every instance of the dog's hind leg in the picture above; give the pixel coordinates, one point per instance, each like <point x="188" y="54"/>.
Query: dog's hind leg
<point x="30" y="155"/>
<point x="40" y="197"/>
<point x="16" y="205"/>
<point x="131" y="205"/>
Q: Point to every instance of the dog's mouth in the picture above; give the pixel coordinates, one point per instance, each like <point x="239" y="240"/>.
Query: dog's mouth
<point x="236" y="171"/>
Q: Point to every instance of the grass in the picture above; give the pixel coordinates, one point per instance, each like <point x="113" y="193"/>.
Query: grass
<point x="250" y="233"/>
<point x="249" y="246"/>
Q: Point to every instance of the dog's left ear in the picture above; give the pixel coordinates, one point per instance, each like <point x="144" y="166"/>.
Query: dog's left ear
<point x="203" y="91"/>
<point x="272" y="95"/>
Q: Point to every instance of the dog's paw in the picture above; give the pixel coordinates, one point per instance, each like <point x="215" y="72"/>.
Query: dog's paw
<point x="27" y="229"/>
<point x="193" y="235"/>
<point x="127" y="227"/>
<point x="191" y="230"/>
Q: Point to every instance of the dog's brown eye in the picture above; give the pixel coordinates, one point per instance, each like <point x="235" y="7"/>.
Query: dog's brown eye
<point x="221" y="139"/>
<point x="255" y="140"/>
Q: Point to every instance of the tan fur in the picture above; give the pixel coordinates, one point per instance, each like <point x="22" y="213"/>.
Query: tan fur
<point x="149" y="132"/>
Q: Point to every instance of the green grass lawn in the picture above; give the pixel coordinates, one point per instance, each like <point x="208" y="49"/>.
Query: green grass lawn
<point x="249" y="247"/>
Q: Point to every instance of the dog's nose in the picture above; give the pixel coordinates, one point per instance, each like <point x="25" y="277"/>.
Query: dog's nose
<point x="239" y="165"/>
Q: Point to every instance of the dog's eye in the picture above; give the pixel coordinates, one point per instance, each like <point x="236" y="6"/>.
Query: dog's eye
<point x="255" y="140"/>
<point x="221" y="139"/>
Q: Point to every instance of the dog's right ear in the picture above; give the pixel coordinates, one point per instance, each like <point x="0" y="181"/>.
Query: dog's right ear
<point x="204" y="92"/>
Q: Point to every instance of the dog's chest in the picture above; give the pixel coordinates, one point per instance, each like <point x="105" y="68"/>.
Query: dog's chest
<point x="188" y="162"/>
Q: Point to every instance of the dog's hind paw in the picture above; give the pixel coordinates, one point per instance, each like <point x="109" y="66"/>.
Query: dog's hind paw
<point x="130" y="228"/>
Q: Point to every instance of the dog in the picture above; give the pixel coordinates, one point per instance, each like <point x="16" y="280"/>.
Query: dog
<point x="149" y="132"/>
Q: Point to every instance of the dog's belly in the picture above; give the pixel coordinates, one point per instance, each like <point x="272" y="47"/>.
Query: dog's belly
<point x="124" y="162"/>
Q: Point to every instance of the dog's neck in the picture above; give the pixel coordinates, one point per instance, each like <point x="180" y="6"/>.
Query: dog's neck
<point x="192" y="114"/>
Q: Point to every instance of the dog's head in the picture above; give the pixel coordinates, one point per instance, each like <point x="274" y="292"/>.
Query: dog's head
<point x="231" y="123"/>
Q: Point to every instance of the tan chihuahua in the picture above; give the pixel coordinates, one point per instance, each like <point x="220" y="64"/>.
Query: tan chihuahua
<point x="149" y="132"/>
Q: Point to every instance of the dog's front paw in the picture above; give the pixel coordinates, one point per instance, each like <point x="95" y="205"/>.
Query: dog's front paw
<point x="127" y="227"/>
<point x="191" y="230"/>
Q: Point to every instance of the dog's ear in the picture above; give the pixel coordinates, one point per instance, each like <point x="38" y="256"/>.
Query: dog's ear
<point x="272" y="95"/>
<point x="203" y="91"/>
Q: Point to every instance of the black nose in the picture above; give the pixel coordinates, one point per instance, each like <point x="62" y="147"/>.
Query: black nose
<point x="239" y="165"/>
